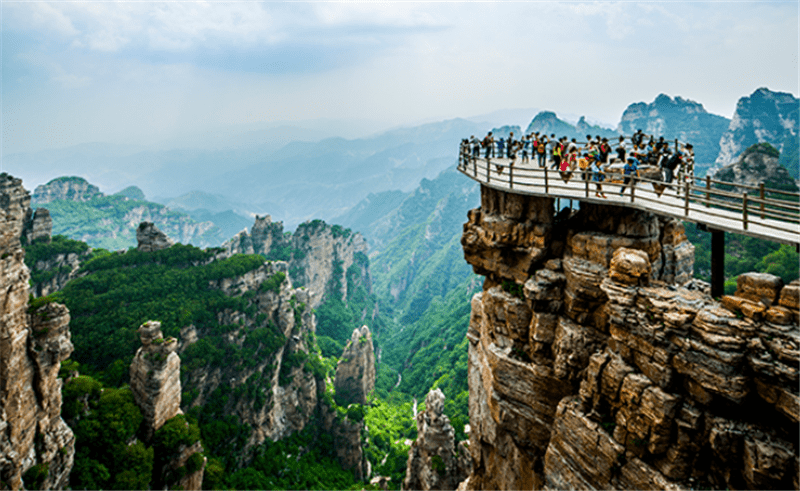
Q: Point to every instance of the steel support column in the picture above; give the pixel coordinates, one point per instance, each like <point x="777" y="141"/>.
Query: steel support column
<point x="717" y="262"/>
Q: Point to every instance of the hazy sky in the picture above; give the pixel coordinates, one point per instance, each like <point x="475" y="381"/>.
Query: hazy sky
<point x="140" y="72"/>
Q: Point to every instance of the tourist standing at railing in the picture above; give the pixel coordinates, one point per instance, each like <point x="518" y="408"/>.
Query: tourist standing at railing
<point x="631" y="167"/>
<point x="637" y="138"/>
<point x="556" y="155"/>
<point x="510" y="144"/>
<point x="476" y="147"/>
<point x="488" y="144"/>
<point x="583" y="165"/>
<point x="541" y="150"/>
<point x="501" y="145"/>
<point x="598" y="176"/>
<point x="526" y="143"/>
<point x="621" y="148"/>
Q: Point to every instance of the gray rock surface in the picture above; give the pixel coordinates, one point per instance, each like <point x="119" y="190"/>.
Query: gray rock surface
<point x="355" y="372"/>
<point x="150" y="238"/>
<point x="435" y="461"/>
<point x="763" y="116"/>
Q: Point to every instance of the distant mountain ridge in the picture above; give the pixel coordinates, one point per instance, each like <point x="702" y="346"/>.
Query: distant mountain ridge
<point x="763" y="117"/>
<point x="80" y="211"/>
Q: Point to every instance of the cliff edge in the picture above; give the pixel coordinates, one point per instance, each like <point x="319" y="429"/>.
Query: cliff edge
<point x="591" y="367"/>
<point x="36" y="446"/>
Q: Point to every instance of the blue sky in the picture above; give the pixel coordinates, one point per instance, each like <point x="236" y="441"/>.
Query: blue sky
<point x="141" y="72"/>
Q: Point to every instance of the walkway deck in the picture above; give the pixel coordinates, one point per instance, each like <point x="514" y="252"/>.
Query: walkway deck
<point x="764" y="213"/>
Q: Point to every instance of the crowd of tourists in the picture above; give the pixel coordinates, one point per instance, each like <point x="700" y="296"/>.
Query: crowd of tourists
<point x="591" y="158"/>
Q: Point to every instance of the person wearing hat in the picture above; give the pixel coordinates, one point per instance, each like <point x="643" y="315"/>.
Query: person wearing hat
<point x="631" y="167"/>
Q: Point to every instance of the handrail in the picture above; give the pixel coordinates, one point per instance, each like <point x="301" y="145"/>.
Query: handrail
<point x="747" y="213"/>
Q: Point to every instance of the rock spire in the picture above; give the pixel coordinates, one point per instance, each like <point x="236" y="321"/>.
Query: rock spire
<point x="355" y="372"/>
<point x="435" y="461"/>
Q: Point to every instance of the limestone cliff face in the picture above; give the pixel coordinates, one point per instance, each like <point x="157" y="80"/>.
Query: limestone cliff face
<point x="33" y="342"/>
<point x="763" y="116"/>
<point x="355" y="372"/>
<point x="318" y="254"/>
<point x="590" y="367"/>
<point x="435" y="461"/>
<point x="149" y="238"/>
<point x="276" y="394"/>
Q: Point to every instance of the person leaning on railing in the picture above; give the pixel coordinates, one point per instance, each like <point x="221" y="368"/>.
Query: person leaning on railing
<point x="631" y="167"/>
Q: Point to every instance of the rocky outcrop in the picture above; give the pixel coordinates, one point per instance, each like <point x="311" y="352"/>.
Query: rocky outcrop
<point x="763" y="117"/>
<point x="150" y="238"/>
<point x="547" y="123"/>
<point x="156" y="377"/>
<point x="435" y="461"/>
<point x="756" y="165"/>
<point x="591" y="367"/>
<point x="36" y="445"/>
<point x="319" y="255"/>
<point x="38" y="226"/>
<point x="678" y="118"/>
<point x="277" y="393"/>
<point x="65" y="188"/>
<point x="355" y="372"/>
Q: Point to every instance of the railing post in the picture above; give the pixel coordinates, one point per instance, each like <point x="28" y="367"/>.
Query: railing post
<point x="546" y="187"/>
<point x="475" y="167"/>
<point x="686" y="199"/>
<point x="761" y="195"/>
<point x="633" y="187"/>
<point x="511" y="175"/>
<point x="586" y="182"/>
<point x="488" y="171"/>
<point x="708" y="194"/>
<point x="744" y="210"/>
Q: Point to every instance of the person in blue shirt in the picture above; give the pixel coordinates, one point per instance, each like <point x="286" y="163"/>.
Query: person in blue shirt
<point x="631" y="167"/>
<point x="500" y="146"/>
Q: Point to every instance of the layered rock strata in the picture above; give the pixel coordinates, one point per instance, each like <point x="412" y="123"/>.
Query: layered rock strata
<point x="591" y="367"/>
<point x="35" y="443"/>
<point x="156" y="377"/>
<point x="435" y="461"/>
<point x="355" y="372"/>
<point x="149" y="238"/>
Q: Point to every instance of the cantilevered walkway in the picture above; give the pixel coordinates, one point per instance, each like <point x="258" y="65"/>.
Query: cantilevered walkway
<point x="748" y="210"/>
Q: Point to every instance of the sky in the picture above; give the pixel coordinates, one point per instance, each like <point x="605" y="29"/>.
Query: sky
<point x="139" y="72"/>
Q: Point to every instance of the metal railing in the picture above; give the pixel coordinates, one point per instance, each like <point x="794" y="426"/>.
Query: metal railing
<point x="757" y="211"/>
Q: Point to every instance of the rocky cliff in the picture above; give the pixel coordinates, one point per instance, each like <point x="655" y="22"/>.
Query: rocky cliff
<point x="277" y="393"/>
<point x="435" y="461"/>
<point x="36" y="445"/>
<point x="758" y="164"/>
<point x="319" y="255"/>
<point x="763" y="117"/>
<point x="355" y="372"/>
<point x="591" y="367"/>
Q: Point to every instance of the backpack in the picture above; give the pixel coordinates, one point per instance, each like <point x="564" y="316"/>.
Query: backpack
<point x="673" y="162"/>
<point x="540" y="148"/>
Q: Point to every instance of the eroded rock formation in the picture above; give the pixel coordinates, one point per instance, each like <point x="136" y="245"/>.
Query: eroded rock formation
<point x="156" y="377"/>
<point x="591" y="367"/>
<point x="355" y="372"/>
<point x="65" y="188"/>
<point x="156" y="386"/>
<point x="35" y="443"/>
<point x="318" y="254"/>
<point x="435" y="461"/>
<point x="150" y="238"/>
